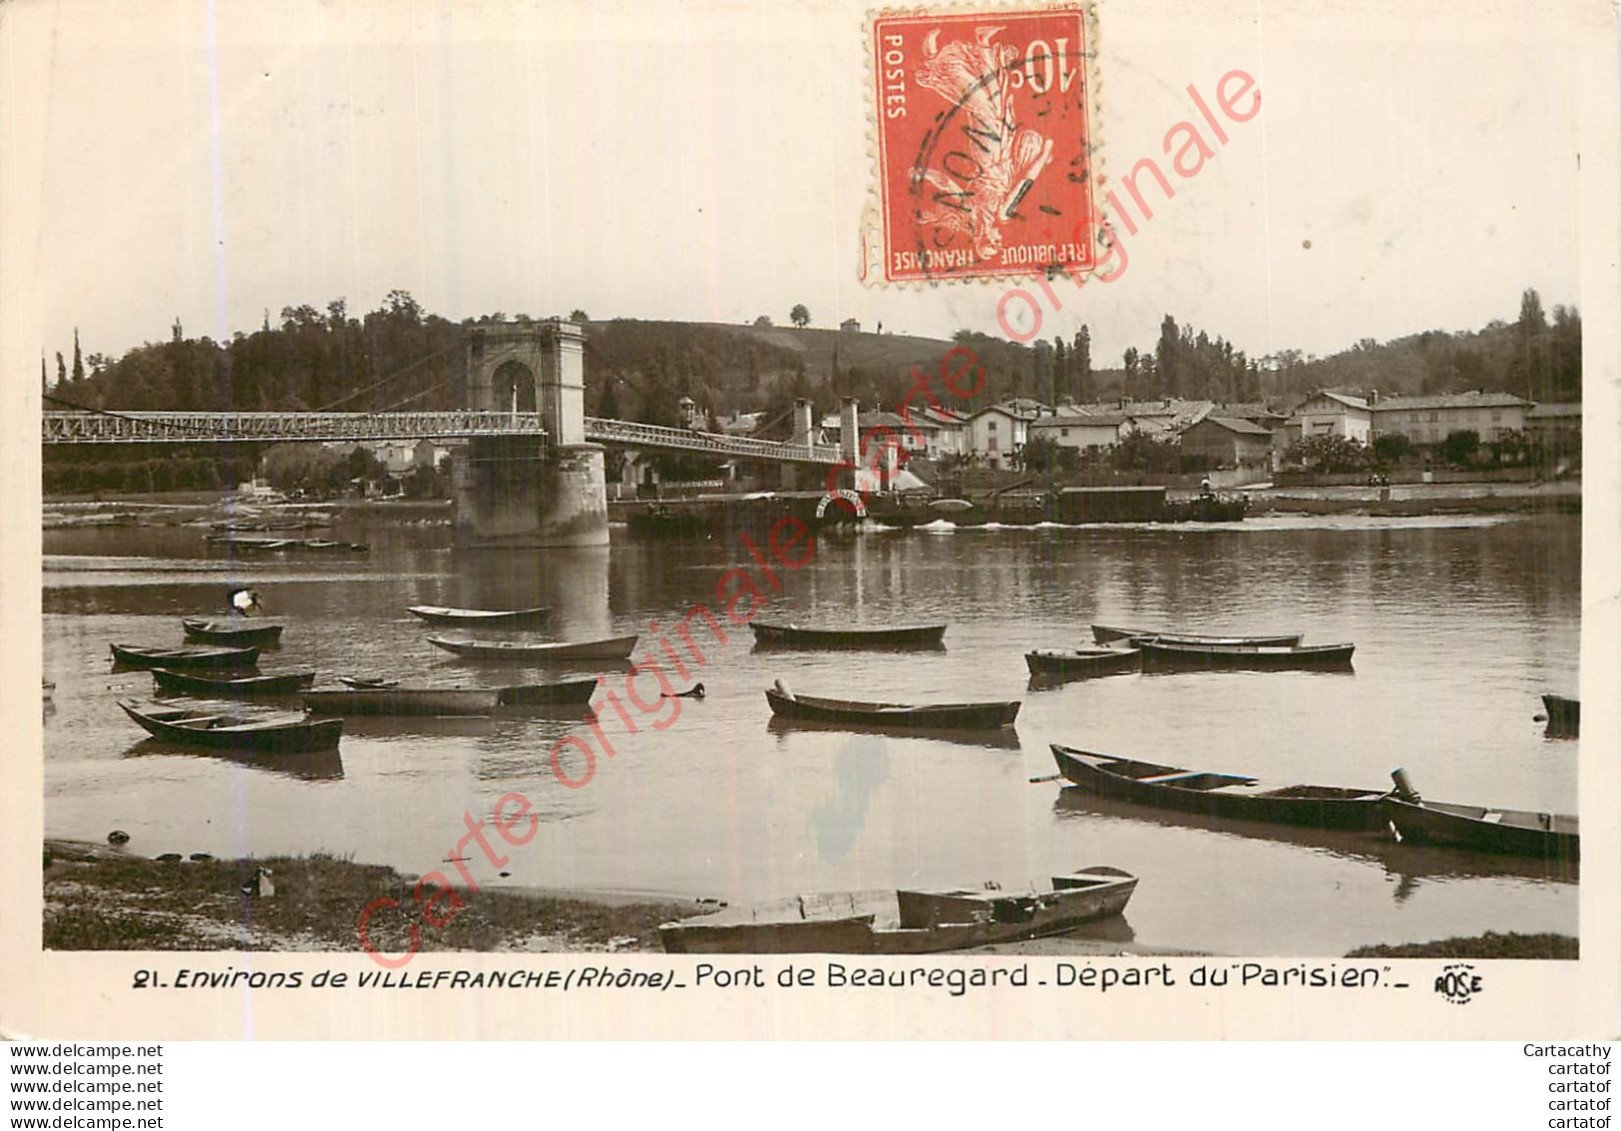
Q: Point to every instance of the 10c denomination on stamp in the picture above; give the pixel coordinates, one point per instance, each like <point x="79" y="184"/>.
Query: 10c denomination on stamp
<point x="985" y="142"/>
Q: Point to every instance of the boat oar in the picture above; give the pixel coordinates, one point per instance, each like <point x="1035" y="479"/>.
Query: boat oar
<point x="1046" y="778"/>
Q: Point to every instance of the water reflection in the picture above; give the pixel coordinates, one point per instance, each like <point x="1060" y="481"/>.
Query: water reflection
<point x="1002" y="738"/>
<point x="310" y="765"/>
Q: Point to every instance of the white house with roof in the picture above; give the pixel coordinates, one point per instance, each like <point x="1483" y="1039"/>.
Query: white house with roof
<point x="997" y="434"/>
<point x="1332" y="414"/>
<point x="1069" y="427"/>
<point x="1431" y="419"/>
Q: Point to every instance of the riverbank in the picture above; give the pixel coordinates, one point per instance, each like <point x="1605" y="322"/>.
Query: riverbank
<point x="1489" y="945"/>
<point x="1404" y="500"/>
<point x="97" y="898"/>
<point x="182" y="508"/>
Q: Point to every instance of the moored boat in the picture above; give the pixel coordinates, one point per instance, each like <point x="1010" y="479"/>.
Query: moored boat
<point x="239" y="632"/>
<point x="485" y="618"/>
<point x="199" y="726"/>
<point x="193" y="656"/>
<point x="232" y="687"/>
<point x="1108" y="634"/>
<point x="1550" y="836"/>
<point x="1564" y="715"/>
<point x="793" y="636"/>
<point x="448" y="700"/>
<point x="614" y="648"/>
<point x="904" y="922"/>
<point x="937" y="716"/>
<point x="1078" y="663"/>
<point x="1159" y="652"/>
<point x="1220" y="795"/>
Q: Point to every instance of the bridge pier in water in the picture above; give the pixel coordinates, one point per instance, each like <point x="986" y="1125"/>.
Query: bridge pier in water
<point x="530" y="491"/>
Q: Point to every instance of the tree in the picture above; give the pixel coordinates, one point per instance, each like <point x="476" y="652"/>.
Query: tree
<point x="763" y="321"/>
<point x="61" y="370"/>
<point x="578" y="315"/>
<point x="799" y="316"/>
<point x="1168" y="359"/>
<point x="1460" y="447"/>
<point x="78" y="358"/>
<point x="1041" y="454"/>
<point x="1529" y="368"/>
<point x="1392" y="447"/>
<point x="1083" y="364"/>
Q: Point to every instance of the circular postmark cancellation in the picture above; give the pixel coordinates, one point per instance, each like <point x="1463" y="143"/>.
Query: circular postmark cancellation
<point x="984" y="143"/>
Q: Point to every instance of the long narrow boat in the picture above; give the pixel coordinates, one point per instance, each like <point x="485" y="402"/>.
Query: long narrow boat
<point x="199" y="726"/>
<point x="238" y="633"/>
<point x="484" y="618"/>
<point x="1159" y="652"/>
<point x="904" y="922"/>
<point x="448" y="700"/>
<point x="1549" y="836"/>
<point x="231" y="687"/>
<point x="938" y="716"/>
<point x="1220" y="795"/>
<point x="614" y="648"/>
<point x="1105" y="634"/>
<point x="1079" y="663"/>
<point x="198" y="656"/>
<point x="1564" y="715"/>
<point x="793" y="636"/>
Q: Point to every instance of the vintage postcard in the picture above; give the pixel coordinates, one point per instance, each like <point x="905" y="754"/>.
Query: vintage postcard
<point x="1047" y="520"/>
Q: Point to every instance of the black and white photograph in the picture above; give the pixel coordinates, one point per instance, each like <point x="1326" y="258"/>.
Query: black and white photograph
<point x="1088" y="490"/>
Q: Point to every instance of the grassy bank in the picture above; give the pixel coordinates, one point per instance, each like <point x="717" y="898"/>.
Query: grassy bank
<point x="98" y="899"/>
<point x="1489" y="945"/>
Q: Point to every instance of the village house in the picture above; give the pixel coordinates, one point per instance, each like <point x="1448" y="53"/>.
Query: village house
<point x="1556" y="425"/>
<point x="1224" y="441"/>
<point x="1332" y="414"/>
<point x="850" y="326"/>
<point x="997" y="434"/>
<point x="1431" y="419"/>
<point x="1162" y="419"/>
<point x="1069" y="427"/>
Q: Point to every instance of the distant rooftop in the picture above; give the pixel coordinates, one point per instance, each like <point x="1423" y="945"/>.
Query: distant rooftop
<point x="1476" y="399"/>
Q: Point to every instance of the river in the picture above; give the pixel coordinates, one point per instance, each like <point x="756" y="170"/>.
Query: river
<point x="1460" y="623"/>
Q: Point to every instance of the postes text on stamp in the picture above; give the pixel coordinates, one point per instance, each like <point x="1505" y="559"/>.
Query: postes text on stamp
<point x="984" y="143"/>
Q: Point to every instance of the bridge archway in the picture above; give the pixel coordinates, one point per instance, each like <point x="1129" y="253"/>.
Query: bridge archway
<point x="513" y="387"/>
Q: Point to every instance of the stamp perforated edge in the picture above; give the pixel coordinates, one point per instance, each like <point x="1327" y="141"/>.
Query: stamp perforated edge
<point x="870" y="233"/>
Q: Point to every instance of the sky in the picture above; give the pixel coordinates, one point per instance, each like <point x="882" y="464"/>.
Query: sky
<point x="712" y="162"/>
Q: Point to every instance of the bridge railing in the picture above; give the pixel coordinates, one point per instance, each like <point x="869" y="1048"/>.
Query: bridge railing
<point x="214" y="427"/>
<point x="633" y="434"/>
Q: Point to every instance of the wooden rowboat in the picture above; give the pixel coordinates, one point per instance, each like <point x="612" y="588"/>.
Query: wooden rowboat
<point x="615" y="648"/>
<point x="1220" y="795"/>
<point x="235" y="632"/>
<point x="1105" y="634"/>
<point x="1080" y="663"/>
<point x="793" y="636"/>
<point x="398" y="701"/>
<point x="486" y="618"/>
<point x="904" y="922"/>
<point x="232" y="687"/>
<point x="199" y="726"/>
<point x="938" y="716"/>
<point x="1159" y="652"/>
<point x="1548" y="836"/>
<point x="1564" y="716"/>
<point x="198" y="656"/>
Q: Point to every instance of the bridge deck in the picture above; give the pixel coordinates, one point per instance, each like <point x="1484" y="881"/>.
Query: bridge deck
<point x="214" y="427"/>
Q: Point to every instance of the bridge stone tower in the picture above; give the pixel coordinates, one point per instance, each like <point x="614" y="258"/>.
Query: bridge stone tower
<point x="530" y="491"/>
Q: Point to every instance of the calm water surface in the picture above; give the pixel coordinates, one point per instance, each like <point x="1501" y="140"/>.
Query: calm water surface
<point x="1460" y="624"/>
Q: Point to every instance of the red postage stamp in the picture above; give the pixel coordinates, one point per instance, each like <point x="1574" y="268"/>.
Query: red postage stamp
<point x="984" y="143"/>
